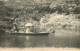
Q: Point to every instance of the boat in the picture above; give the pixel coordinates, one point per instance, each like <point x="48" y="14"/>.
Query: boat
<point x="39" y="33"/>
<point x="30" y="30"/>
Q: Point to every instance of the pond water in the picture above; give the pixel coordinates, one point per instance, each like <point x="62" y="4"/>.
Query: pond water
<point x="57" y="39"/>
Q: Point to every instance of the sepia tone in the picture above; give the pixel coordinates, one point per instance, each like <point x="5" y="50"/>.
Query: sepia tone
<point x="40" y="23"/>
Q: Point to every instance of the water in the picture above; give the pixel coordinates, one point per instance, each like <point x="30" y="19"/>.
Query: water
<point x="24" y="41"/>
<point x="57" y="39"/>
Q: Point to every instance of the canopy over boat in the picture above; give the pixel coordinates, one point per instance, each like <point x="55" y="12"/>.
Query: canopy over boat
<point x="29" y="24"/>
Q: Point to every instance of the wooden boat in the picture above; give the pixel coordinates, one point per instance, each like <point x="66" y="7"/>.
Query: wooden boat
<point x="30" y="30"/>
<point x="39" y="33"/>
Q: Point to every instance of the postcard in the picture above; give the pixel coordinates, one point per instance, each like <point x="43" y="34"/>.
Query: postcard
<point x="43" y="25"/>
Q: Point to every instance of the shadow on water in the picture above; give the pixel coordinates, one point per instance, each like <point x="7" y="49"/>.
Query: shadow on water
<point x="23" y="41"/>
<point x="38" y="41"/>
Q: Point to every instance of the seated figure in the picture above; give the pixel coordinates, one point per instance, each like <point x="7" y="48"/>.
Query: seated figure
<point x="29" y="28"/>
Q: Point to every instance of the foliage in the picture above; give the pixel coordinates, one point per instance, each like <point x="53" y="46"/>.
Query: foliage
<point x="22" y="15"/>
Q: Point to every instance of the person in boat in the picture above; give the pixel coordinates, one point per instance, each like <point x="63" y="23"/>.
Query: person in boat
<point x="51" y="29"/>
<point x="29" y="28"/>
<point x="15" y="28"/>
<point x="43" y="22"/>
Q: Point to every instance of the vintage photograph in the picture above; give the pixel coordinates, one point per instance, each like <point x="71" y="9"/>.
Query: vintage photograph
<point x="39" y="23"/>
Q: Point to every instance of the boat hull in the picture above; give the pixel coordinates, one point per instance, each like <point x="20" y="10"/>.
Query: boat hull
<point x="29" y="33"/>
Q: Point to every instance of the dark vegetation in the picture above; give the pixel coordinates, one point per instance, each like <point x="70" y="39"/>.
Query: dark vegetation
<point x="8" y="15"/>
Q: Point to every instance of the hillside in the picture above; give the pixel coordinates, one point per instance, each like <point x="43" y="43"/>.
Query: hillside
<point x="23" y="11"/>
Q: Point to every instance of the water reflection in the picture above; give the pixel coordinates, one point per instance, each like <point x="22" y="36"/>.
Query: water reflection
<point x="36" y="41"/>
<point x="39" y="41"/>
<point x="24" y="41"/>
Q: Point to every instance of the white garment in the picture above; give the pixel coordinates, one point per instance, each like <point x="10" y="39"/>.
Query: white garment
<point x="27" y="30"/>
